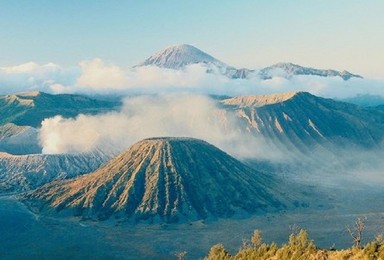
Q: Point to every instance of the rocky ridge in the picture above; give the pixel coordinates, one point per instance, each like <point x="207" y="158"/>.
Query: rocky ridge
<point x="20" y="173"/>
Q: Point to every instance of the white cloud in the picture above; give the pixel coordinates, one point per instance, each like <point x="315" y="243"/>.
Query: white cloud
<point x="331" y="87"/>
<point x="96" y="76"/>
<point x="33" y="76"/>
<point x="193" y="78"/>
<point x="31" y="68"/>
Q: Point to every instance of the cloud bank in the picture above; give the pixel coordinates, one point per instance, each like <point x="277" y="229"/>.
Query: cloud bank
<point x="33" y="76"/>
<point x="99" y="77"/>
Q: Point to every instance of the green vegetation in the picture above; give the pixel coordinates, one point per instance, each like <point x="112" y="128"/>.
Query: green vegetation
<point x="299" y="246"/>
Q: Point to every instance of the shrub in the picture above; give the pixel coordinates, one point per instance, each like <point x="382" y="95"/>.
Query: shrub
<point x="218" y="252"/>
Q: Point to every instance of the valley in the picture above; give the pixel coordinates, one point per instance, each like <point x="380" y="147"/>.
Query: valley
<point x="88" y="239"/>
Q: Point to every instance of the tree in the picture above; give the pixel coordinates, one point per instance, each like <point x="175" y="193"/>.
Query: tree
<point x="357" y="231"/>
<point x="299" y="246"/>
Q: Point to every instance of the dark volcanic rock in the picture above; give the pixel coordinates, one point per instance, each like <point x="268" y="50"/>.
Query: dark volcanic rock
<point x="164" y="180"/>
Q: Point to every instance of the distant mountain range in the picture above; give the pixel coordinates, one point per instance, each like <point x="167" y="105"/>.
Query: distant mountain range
<point x="179" y="56"/>
<point x="288" y="70"/>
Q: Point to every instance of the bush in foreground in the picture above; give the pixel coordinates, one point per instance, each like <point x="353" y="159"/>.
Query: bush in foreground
<point x="299" y="246"/>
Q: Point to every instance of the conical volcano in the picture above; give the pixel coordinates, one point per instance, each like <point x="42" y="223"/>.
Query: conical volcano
<point x="179" y="56"/>
<point x="163" y="180"/>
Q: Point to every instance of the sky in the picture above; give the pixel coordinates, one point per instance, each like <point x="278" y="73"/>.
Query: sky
<point x="343" y="34"/>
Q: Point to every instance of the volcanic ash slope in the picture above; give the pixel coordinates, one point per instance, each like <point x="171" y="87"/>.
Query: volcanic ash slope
<point x="164" y="180"/>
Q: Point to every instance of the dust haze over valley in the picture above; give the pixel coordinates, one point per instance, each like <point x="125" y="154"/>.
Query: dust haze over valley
<point x="117" y="157"/>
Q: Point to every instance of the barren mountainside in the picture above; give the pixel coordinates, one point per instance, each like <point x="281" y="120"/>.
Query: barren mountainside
<point x="20" y="173"/>
<point x="300" y="120"/>
<point x="165" y="180"/>
<point x="258" y="100"/>
<point x="16" y="139"/>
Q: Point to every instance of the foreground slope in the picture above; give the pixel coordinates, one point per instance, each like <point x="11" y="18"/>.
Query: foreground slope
<point x="164" y="179"/>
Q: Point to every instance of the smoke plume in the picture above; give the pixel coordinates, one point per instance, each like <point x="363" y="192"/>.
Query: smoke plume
<point x="178" y="115"/>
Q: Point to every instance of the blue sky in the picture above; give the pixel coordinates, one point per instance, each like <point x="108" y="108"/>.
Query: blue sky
<point x="326" y="34"/>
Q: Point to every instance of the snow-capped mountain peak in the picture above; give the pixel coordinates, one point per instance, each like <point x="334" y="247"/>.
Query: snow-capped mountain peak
<point x="179" y="56"/>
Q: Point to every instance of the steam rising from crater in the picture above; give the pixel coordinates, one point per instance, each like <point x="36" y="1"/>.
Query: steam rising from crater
<point x="181" y="115"/>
